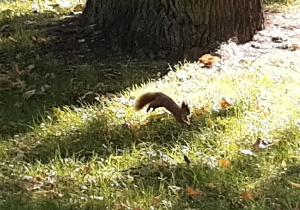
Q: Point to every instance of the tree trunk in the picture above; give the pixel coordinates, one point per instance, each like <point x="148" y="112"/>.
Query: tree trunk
<point x="174" y="28"/>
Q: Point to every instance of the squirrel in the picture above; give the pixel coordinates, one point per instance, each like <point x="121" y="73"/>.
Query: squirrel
<point x="159" y="99"/>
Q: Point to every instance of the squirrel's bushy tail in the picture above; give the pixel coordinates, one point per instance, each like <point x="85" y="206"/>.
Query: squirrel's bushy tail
<point x="144" y="99"/>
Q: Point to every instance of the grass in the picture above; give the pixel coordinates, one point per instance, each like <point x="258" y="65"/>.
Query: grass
<point x="56" y="154"/>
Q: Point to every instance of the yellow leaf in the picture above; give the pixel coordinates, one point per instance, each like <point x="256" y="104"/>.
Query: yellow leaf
<point x="201" y="111"/>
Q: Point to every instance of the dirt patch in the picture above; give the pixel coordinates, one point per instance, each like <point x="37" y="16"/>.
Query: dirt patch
<point x="70" y="40"/>
<point x="282" y="32"/>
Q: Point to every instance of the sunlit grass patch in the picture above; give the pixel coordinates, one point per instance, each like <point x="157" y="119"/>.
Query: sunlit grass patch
<point x="241" y="151"/>
<point x="110" y="156"/>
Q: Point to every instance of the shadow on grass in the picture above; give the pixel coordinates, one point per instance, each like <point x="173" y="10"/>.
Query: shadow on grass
<point x="221" y="187"/>
<point x="97" y="136"/>
<point x="101" y="134"/>
<point x="68" y="62"/>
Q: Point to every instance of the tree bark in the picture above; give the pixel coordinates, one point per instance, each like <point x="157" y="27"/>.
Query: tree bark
<point x="174" y="28"/>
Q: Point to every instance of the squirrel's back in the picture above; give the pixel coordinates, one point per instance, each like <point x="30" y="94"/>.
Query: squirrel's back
<point x="147" y="98"/>
<point x="159" y="99"/>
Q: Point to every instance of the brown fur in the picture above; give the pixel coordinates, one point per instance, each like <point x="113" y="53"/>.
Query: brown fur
<point x="159" y="99"/>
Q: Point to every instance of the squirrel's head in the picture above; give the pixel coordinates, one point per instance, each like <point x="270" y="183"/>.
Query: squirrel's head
<point x="185" y="113"/>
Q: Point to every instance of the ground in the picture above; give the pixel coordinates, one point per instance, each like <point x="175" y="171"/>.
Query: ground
<point x="57" y="152"/>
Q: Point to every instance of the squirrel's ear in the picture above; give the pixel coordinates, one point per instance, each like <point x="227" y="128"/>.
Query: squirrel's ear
<point x="185" y="106"/>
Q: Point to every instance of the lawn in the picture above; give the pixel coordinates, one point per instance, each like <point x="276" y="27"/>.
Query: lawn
<point x="71" y="139"/>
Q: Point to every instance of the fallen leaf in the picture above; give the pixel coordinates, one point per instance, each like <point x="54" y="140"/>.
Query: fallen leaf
<point x="87" y="168"/>
<point x="294" y="47"/>
<point x="121" y="206"/>
<point x="43" y="175"/>
<point x="263" y="109"/>
<point x="224" y="162"/>
<point x="194" y="193"/>
<point x="294" y="184"/>
<point x="201" y="111"/>
<point x="247" y="196"/>
<point x="224" y="103"/>
<point x="78" y="8"/>
<point x="155" y="201"/>
<point x="208" y="60"/>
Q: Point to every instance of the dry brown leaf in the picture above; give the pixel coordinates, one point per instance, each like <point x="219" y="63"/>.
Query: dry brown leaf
<point x="155" y="201"/>
<point x="208" y="60"/>
<point x="121" y="206"/>
<point x="263" y="109"/>
<point x="43" y="175"/>
<point x="87" y="168"/>
<point x="225" y="104"/>
<point x="294" y="184"/>
<point x="247" y="196"/>
<point x="294" y="47"/>
<point x="194" y="193"/>
<point x="78" y="8"/>
<point x="224" y="162"/>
